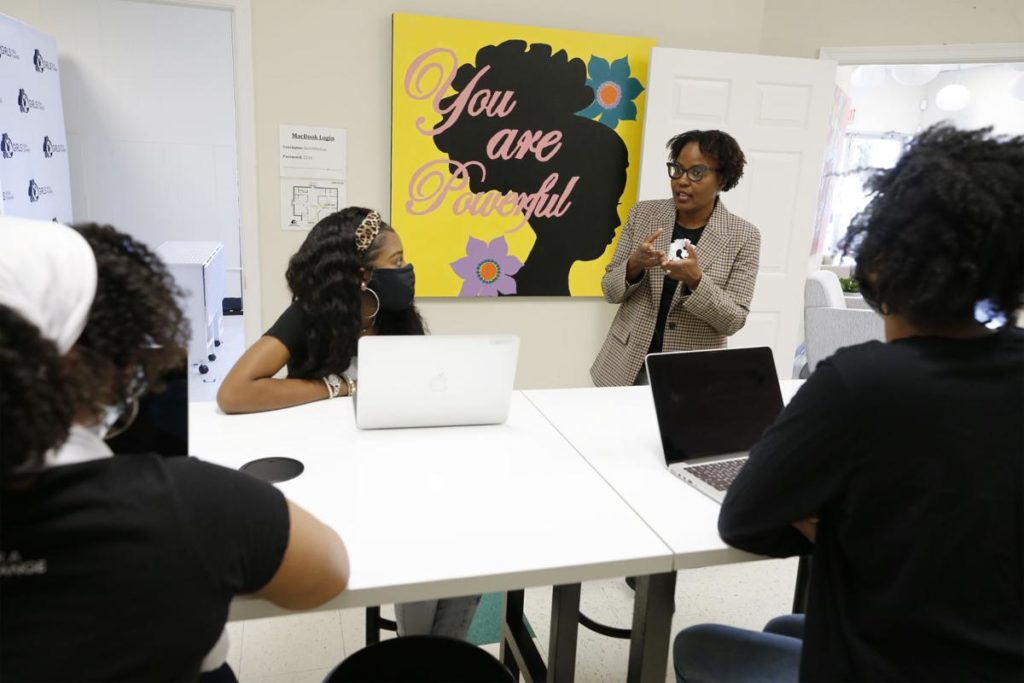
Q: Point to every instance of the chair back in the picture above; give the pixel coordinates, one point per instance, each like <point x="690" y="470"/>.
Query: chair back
<point x="822" y="290"/>
<point x="829" y="324"/>
<point x="420" y="659"/>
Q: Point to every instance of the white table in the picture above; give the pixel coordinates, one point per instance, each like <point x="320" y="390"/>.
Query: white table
<point x="615" y="429"/>
<point x="442" y="512"/>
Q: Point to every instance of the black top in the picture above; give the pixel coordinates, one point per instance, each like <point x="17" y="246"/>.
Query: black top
<point x="290" y="330"/>
<point x="122" y="568"/>
<point x="912" y="455"/>
<point x="668" y="289"/>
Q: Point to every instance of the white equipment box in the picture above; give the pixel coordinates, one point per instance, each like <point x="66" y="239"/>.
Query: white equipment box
<point x="198" y="268"/>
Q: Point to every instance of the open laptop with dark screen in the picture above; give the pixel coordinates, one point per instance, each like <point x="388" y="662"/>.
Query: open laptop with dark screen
<point x="712" y="407"/>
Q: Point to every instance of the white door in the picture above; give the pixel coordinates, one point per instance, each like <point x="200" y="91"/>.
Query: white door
<point x="778" y="110"/>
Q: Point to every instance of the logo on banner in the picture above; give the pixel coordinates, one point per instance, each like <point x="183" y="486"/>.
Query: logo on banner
<point x="8" y="146"/>
<point x="26" y="103"/>
<point x="35" y="190"/>
<point x="41" y="64"/>
<point x="8" y="52"/>
<point x="49" y="149"/>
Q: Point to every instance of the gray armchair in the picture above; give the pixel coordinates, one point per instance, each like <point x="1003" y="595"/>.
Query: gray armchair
<point x="829" y="324"/>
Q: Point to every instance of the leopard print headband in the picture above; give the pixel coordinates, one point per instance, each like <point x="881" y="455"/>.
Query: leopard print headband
<point x="367" y="231"/>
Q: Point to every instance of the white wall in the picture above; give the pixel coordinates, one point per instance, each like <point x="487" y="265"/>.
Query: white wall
<point x="148" y="93"/>
<point x="800" y="27"/>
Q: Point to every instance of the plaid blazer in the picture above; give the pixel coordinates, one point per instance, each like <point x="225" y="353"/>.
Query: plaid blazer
<point x="728" y="252"/>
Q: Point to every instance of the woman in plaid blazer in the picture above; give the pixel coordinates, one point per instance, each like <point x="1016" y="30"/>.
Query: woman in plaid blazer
<point x="676" y="295"/>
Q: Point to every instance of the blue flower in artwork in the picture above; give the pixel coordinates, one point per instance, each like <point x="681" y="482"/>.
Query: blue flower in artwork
<point x="614" y="91"/>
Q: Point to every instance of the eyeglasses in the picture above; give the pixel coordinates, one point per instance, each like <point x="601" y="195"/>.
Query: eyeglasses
<point x="695" y="173"/>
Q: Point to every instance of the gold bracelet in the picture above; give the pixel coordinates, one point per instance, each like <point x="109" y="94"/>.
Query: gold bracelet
<point x="351" y="385"/>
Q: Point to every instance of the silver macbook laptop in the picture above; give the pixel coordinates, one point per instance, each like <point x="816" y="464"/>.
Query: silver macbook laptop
<point x="435" y="380"/>
<point x="712" y="407"/>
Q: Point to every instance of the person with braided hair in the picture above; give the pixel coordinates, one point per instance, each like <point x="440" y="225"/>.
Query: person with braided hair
<point x="899" y="466"/>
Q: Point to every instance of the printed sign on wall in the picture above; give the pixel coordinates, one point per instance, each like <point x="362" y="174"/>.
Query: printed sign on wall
<point x="35" y="180"/>
<point x="313" y="168"/>
<point x="515" y="154"/>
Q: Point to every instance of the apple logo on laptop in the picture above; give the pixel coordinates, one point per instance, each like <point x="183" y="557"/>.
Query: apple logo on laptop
<point x="438" y="383"/>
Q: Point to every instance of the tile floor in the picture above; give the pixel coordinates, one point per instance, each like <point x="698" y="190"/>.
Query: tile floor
<point x="303" y="648"/>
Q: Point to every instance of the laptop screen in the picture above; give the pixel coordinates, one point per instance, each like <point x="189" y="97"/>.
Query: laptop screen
<point x="713" y="402"/>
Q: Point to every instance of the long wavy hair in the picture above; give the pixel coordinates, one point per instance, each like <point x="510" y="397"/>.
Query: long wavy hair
<point x="325" y="280"/>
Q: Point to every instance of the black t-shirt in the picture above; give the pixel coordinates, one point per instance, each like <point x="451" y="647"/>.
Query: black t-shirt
<point x="669" y="289"/>
<point x="123" y="568"/>
<point x="912" y="455"/>
<point x="290" y="330"/>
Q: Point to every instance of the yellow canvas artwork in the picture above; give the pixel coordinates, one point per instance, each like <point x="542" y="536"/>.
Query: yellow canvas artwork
<point x="515" y="154"/>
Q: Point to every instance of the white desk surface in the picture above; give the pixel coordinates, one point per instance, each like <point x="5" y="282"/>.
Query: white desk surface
<point x="616" y="430"/>
<point x="431" y="513"/>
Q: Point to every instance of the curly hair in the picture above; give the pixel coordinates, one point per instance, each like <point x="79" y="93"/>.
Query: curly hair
<point x="945" y="228"/>
<point x="324" y="278"/>
<point x="136" y="331"/>
<point x="718" y="145"/>
<point x="35" y="414"/>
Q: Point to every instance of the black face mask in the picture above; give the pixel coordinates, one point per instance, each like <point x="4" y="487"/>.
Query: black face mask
<point x="395" y="287"/>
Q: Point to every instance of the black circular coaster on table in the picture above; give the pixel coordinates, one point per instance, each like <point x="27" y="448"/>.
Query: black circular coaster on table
<point x="274" y="469"/>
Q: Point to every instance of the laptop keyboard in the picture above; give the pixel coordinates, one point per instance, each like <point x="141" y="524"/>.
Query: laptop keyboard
<point x="718" y="474"/>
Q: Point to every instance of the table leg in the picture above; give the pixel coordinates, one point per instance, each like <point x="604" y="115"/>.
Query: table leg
<point x="372" y="625"/>
<point x="652" y="623"/>
<point x="511" y="615"/>
<point x="802" y="591"/>
<point x="565" y="616"/>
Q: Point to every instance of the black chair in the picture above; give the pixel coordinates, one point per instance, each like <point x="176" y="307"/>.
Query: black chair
<point x="420" y="659"/>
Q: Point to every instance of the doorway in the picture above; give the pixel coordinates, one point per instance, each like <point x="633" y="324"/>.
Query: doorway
<point x="884" y="96"/>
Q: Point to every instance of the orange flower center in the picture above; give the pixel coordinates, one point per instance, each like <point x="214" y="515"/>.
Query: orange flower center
<point x="609" y="94"/>
<point x="488" y="271"/>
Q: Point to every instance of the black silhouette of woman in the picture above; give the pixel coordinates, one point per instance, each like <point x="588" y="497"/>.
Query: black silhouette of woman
<point x="549" y="89"/>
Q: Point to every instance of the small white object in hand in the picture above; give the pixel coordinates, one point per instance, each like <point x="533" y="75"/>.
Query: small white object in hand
<point x="677" y="250"/>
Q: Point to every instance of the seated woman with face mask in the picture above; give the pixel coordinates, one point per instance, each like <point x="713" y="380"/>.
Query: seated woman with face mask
<point x="120" y="568"/>
<point x="348" y="279"/>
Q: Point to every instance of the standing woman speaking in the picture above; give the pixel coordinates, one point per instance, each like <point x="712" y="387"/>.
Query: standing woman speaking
<point x="684" y="269"/>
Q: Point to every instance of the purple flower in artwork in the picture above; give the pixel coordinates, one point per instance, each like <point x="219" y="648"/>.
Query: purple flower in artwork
<point x="487" y="269"/>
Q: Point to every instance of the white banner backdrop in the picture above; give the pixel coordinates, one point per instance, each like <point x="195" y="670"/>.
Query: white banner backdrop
<point x="34" y="173"/>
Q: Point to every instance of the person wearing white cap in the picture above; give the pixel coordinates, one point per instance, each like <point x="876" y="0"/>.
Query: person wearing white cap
<point x="120" y="568"/>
